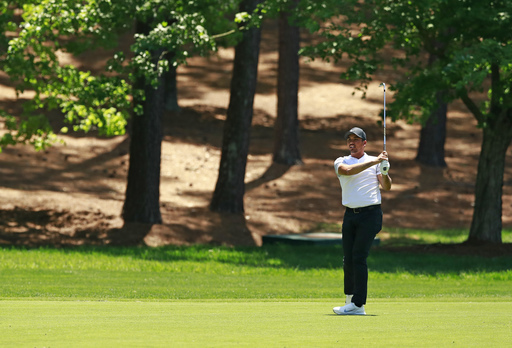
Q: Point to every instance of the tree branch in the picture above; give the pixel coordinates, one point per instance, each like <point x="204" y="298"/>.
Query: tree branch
<point x="230" y="32"/>
<point x="225" y="34"/>
<point x="470" y="104"/>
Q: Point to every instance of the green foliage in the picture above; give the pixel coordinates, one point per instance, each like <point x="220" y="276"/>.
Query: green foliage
<point x="34" y="130"/>
<point x="310" y="14"/>
<point x="438" y="45"/>
<point x="6" y="24"/>
<point x="49" y="28"/>
<point x="184" y="31"/>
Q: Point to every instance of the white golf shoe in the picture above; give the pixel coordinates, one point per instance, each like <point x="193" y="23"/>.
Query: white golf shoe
<point x="349" y="309"/>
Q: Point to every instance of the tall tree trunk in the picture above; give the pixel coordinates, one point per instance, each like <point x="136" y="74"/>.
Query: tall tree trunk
<point x="142" y="201"/>
<point x="171" y="102"/>
<point x="286" y="131"/>
<point x="433" y="133"/>
<point x="230" y="188"/>
<point x="433" y="136"/>
<point x="497" y="135"/>
<point x="486" y="225"/>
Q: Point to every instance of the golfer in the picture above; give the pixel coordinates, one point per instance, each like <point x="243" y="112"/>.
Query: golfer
<point x="359" y="175"/>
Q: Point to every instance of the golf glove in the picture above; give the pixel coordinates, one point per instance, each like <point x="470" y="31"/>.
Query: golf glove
<point x="384" y="167"/>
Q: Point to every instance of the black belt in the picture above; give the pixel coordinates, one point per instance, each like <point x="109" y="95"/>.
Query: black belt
<point x="363" y="209"/>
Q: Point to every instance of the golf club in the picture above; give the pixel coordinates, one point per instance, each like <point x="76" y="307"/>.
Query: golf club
<point x="384" y="165"/>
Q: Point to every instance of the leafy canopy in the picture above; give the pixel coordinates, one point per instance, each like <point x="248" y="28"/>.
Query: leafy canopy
<point x="49" y="29"/>
<point x="436" y="45"/>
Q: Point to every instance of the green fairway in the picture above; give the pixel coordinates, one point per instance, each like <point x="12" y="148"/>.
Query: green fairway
<point x="277" y="296"/>
<point x="254" y="324"/>
<point x="279" y="272"/>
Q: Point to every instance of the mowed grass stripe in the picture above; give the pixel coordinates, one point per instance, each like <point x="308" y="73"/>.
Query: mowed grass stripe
<point x="254" y="324"/>
<point x="125" y="285"/>
<point x="201" y="272"/>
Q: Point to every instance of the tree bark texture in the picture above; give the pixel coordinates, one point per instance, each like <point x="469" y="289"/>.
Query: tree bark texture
<point x="497" y="135"/>
<point x="171" y="102"/>
<point x="286" y="130"/>
<point x="486" y="225"/>
<point x="433" y="133"/>
<point x="142" y="201"/>
<point x="433" y="136"/>
<point x="228" y="195"/>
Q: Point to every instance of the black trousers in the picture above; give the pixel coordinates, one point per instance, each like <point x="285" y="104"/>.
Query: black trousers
<point x="360" y="226"/>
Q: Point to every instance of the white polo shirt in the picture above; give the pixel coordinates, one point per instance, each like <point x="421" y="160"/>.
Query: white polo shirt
<point x="362" y="189"/>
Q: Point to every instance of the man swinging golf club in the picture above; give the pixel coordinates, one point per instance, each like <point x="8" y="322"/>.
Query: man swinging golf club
<point x="360" y="176"/>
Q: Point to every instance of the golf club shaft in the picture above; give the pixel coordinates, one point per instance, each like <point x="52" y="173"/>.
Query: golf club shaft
<point x="384" y="85"/>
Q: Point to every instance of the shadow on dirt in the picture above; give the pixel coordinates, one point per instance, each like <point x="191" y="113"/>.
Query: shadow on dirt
<point x="34" y="228"/>
<point x="275" y="171"/>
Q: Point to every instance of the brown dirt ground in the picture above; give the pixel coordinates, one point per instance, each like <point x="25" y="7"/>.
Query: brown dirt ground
<point x="72" y="194"/>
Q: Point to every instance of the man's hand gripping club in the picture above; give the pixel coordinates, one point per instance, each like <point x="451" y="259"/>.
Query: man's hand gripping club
<point x="384" y="163"/>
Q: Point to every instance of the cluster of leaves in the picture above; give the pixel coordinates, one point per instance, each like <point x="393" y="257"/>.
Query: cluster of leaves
<point x="48" y="29"/>
<point x="311" y="15"/>
<point x="439" y="45"/>
<point x="469" y="40"/>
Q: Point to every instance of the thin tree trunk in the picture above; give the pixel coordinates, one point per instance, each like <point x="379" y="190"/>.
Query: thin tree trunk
<point x="230" y="188"/>
<point x="433" y="136"/>
<point x="286" y="131"/>
<point x="433" y="133"/>
<point x="171" y="102"/>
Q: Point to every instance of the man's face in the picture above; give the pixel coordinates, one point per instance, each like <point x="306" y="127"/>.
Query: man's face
<point x="355" y="144"/>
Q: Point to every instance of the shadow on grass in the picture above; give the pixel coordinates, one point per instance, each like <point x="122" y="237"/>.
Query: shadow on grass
<point x="299" y="258"/>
